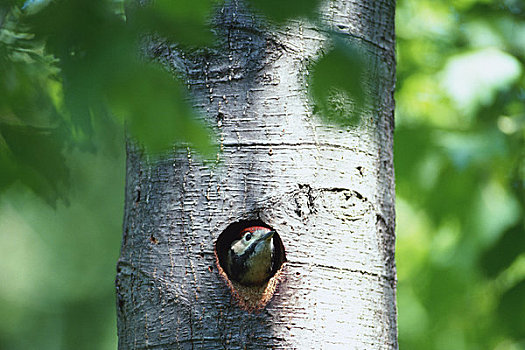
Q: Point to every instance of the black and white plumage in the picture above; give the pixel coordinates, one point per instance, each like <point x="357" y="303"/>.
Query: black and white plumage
<point x="250" y="259"/>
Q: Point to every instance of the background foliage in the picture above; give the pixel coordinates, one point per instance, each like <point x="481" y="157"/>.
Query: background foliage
<point x="70" y="77"/>
<point x="460" y="165"/>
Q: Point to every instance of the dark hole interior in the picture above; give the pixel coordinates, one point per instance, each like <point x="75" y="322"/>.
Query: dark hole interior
<point x="232" y="233"/>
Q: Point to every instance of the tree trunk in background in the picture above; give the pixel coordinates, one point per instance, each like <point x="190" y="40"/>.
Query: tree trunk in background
<point x="328" y="192"/>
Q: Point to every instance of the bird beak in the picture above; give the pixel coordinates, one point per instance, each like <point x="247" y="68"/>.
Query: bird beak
<point x="267" y="235"/>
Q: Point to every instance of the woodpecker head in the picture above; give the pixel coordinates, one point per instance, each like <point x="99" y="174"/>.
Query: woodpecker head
<point x="250" y="258"/>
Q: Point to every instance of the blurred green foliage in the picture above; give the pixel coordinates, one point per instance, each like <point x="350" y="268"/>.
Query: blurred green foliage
<point x="337" y="82"/>
<point x="460" y="174"/>
<point x="279" y="11"/>
<point x="67" y="64"/>
<point x="58" y="264"/>
<point x="71" y="76"/>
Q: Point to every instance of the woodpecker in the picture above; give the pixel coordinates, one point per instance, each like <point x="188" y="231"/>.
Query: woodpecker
<point x="250" y="258"/>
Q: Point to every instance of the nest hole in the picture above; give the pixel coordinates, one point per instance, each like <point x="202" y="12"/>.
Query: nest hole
<point x="249" y="297"/>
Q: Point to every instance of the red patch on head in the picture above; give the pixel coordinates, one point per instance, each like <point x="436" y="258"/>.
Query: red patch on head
<point x="252" y="229"/>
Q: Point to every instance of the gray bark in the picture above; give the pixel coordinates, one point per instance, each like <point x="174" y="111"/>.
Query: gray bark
<point x="329" y="193"/>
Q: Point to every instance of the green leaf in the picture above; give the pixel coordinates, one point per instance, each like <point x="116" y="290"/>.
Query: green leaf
<point x="337" y="83"/>
<point x="503" y="253"/>
<point x="102" y="71"/>
<point x="157" y="110"/>
<point x="89" y="42"/>
<point x="184" y="22"/>
<point x="511" y="310"/>
<point x="280" y="11"/>
<point x="35" y="159"/>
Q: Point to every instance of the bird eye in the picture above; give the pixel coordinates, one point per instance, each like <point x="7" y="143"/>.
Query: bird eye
<point x="248" y="236"/>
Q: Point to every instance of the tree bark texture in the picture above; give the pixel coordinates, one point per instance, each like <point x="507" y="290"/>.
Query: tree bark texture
<point x="329" y="193"/>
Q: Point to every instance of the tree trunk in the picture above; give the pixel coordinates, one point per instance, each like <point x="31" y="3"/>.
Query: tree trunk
<point x="328" y="192"/>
